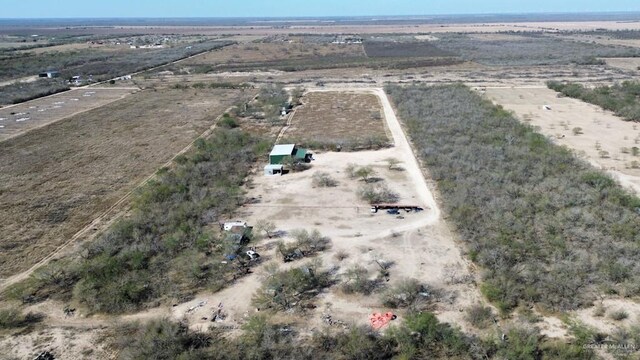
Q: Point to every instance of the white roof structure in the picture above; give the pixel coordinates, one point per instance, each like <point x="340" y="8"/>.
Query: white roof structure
<point x="284" y="149"/>
<point x="229" y="225"/>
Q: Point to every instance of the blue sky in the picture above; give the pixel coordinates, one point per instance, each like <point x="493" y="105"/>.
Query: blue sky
<point x="292" y="8"/>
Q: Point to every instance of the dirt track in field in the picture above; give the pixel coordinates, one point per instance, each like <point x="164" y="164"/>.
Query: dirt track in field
<point x="16" y="120"/>
<point x="55" y="180"/>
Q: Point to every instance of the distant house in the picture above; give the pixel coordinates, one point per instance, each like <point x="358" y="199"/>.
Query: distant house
<point x="49" y="74"/>
<point x="291" y="151"/>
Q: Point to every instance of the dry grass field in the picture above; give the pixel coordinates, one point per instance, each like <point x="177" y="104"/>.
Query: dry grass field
<point x="376" y="49"/>
<point x="18" y="119"/>
<point x="340" y="118"/>
<point x="624" y="63"/>
<point x="256" y="52"/>
<point x="55" y="180"/>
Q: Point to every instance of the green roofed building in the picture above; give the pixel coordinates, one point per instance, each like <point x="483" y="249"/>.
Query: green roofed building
<point x="280" y="152"/>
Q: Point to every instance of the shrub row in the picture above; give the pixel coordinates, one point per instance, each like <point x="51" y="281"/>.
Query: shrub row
<point x="622" y="98"/>
<point x="101" y="64"/>
<point x="212" y="85"/>
<point x="529" y="49"/>
<point x="165" y="247"/>
<point x="372" y="142"/>
<point x="25" y="91"/>
<point x="546" y="227"/>
<point x="420" y="336"/>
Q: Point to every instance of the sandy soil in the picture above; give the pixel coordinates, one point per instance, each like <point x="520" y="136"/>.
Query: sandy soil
<point x="18" y="119"/>
<point x="26" y="79"/>
<point x="419" y="244"/>
<point x="63" y="343"/>
<point x="604" y="323"/>
<point x="601" y="130"/>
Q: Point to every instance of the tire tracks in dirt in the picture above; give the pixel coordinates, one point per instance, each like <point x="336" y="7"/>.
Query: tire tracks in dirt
<point x="106" y="218"/>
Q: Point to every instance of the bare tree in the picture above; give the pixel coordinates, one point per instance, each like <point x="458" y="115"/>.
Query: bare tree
<point x="267" y="226"/>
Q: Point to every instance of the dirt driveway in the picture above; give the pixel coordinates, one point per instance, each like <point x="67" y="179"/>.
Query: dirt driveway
<point x="419" y="245"/>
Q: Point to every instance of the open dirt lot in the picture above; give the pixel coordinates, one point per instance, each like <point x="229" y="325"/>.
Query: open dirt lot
<point x="624" y="63"/>
<point x="337" y="117"/>
<point x="605" y="140"/>
<point x="73" y="344"/>
<point x="18" y="119"/>
<point x="57" y="179"/>
<point x="418" y="244"/>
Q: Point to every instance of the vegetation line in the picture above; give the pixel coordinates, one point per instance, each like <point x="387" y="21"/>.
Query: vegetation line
<point x="168" y="246"/>
<point x="106" y="214"/>
<point x="622" y="99"/>
<point x="546" y="227"/>
<point x="22" y="95"/>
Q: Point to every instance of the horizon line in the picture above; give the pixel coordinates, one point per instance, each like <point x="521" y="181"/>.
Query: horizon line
<point x="304" y="17"/>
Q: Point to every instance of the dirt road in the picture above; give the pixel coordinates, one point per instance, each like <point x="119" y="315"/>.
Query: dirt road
<point x="419" y="244"/>
<point x="402" y="144"/>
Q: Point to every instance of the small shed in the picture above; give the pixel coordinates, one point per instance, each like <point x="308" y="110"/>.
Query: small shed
<point x="274" y="169"/>
<point x="280" y="152"/>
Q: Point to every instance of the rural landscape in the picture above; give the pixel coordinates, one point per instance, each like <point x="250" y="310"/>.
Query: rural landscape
<point x="451" y="187"/>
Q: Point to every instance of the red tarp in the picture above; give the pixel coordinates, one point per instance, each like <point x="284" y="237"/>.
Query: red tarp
<point x="378" y="321"/>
